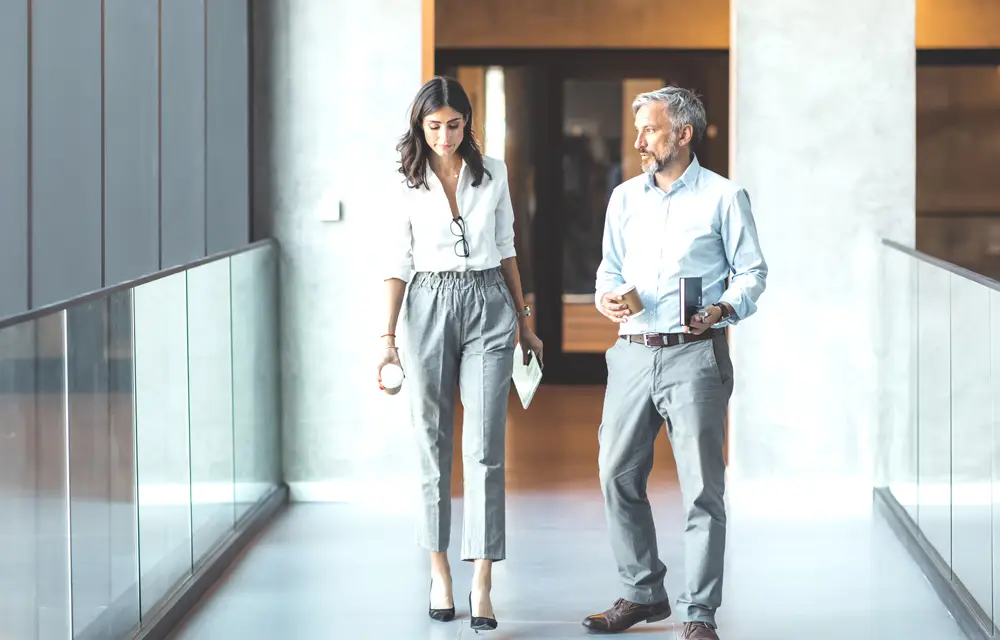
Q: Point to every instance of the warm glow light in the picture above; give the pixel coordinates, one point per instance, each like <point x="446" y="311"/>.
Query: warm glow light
<point x="496" y="114"/>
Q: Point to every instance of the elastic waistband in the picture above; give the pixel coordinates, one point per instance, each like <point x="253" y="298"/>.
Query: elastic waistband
<point x="457" y="279"/>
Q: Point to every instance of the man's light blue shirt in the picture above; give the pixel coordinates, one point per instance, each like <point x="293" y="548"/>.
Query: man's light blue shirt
<point x="702" y="227"/>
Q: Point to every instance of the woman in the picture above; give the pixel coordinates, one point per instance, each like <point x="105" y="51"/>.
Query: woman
<point x="463" y="311"/>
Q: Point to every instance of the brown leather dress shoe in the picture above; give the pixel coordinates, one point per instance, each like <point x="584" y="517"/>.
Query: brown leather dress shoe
<point x="699" y="631"/>
<point x="624" y="614"/>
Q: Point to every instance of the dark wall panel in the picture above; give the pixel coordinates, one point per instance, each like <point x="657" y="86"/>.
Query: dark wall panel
<point x="228" y="125"/>
<point x="13" y="157"/>
<point x="262" y="87"/>
<point x="66" y="149"/>
<point x="183" y="131"/>
<point x="131" y="139"/>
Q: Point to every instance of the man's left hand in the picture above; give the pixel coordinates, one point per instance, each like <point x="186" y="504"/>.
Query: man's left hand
<point x="700" y="323"/>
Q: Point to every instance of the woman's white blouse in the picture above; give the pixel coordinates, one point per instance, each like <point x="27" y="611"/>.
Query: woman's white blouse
<point x="420" y="233"/>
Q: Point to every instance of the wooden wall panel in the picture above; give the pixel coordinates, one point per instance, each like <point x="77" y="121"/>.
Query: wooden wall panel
<point x="667" y="24"/>
<point x="618" y="24"/>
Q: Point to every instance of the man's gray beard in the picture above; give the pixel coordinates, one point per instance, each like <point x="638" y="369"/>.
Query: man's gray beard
<point x="659" y="164"/>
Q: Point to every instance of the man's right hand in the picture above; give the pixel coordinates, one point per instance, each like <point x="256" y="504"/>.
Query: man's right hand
<point x="613" y="308"/>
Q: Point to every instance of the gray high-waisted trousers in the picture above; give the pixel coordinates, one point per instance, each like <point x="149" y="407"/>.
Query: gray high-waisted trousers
<point x="461" y="328"/>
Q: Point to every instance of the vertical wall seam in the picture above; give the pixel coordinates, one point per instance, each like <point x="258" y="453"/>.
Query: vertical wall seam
<point x="30" y="159"/>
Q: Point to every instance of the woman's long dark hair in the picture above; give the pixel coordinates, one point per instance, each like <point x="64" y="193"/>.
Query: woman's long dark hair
<point x="439" y="92"/>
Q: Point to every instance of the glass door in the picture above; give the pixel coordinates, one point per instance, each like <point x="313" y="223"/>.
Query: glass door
<point x="597" y="156"/>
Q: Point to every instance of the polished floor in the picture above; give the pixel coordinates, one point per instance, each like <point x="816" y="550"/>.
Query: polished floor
<point x="797" y="568"/>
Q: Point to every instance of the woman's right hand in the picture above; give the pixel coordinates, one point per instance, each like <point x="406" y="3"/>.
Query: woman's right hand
<point x="389" y="355"/>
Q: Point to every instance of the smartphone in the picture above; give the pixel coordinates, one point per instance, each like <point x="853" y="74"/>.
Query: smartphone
<point x="690" y="299"/>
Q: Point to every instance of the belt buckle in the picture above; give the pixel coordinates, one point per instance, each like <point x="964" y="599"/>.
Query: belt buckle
<point x="652" y="339"/>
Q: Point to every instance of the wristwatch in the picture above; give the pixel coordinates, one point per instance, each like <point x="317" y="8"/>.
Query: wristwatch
<point x="724" y="309"/>
<point x="525" y="312"/>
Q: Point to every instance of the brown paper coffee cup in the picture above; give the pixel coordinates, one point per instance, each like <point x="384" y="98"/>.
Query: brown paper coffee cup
<point x="630" y="297"/>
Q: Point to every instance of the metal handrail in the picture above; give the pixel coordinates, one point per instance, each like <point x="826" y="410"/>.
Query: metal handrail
<point x="62" y="305"/>
<point x="968" y="274"/>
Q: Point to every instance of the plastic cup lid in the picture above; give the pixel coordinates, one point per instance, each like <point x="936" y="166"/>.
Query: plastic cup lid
<point x="392" y="376"/>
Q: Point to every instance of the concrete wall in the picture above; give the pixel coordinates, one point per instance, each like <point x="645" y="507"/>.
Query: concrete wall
<point x="823" y="137"/>
<point x="330" y="101"/>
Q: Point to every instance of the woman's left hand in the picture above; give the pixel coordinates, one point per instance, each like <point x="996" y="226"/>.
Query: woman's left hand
<point x="530" y="343"/>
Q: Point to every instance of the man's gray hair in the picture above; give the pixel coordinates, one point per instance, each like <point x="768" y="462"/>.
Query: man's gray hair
<point x="683" y="106"/>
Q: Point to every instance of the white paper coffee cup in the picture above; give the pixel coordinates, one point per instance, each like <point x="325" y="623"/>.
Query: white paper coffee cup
<point x="392" y="378"/>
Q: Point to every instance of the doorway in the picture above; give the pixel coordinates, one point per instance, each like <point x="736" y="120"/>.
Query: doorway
<point x="562" y="121"/>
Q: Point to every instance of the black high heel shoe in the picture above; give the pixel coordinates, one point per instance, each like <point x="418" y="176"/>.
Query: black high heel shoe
<point x="479" y="623"/>
<point x="441" y="615"/>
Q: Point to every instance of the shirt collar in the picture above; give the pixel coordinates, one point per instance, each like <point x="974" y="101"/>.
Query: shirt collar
<point x="688" y="178"/>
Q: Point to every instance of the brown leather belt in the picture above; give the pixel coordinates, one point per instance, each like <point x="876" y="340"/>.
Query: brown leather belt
<point x="668" y="339"/>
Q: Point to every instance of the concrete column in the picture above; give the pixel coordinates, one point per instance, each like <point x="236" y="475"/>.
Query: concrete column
<point x="332" y="83"/>
<point x="823" y="108"/>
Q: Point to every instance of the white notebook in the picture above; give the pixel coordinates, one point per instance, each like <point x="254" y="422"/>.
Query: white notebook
<point x="526" y="378"/>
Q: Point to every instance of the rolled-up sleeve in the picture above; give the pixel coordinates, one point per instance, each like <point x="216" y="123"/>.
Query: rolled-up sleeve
<point x="504" y="216"/>
<point x="609" y="273"/>
<point x="746" y="260"/>
<point x="398" y="244"/>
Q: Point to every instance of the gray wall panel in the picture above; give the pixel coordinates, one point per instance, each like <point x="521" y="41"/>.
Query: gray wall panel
<point x="13" y="157"/>
<point x="183" y="131"/>
<point x="131" y="145"/>
<point x="66" y="149"/>
<point x="228" y="125"/>
<point x="115" y="117"/>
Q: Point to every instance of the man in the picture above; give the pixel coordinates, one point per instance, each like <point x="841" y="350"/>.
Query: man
<point x="677" y="220"/>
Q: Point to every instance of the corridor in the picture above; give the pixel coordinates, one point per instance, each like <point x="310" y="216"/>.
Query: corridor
<point x="797" y="567"/>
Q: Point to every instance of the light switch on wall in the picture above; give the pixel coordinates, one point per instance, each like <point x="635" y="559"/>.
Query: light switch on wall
<point x="329" y="208"/>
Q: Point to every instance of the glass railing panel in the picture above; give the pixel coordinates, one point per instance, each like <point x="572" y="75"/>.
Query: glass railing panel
<point x="34" y="484"/>
<point x="995" y="448"/>
<point x="102" y="467"/>
<point x="123" y="490"/>
<point x="898" y="444"/>
<point x="162" y="436"/>
<point x="210" y="354"/>
<point x="255" y="376"/>
<point x="934" y="407"/>
<point x="971" y="440"/>
<point x="52" y="508"/>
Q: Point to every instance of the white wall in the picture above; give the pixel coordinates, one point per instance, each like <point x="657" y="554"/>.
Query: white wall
<point x="332" y="83"/>
<point x="823" y="138"/>
<point x="823" y="108"/>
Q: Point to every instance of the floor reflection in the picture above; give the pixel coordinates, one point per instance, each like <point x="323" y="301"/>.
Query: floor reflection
<point x="44" y="515"/>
